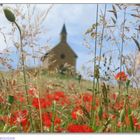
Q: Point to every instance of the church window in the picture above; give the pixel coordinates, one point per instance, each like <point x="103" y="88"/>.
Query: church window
<point x="62" y="56"/>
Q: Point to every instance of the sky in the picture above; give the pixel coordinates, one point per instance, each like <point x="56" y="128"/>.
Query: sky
<point x="77" y="18"/>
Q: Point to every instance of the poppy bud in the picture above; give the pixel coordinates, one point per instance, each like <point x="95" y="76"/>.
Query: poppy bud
<point x="9" y="15"/>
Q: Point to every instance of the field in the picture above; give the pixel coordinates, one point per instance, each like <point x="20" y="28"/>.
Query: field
<point x="63" y="104"/>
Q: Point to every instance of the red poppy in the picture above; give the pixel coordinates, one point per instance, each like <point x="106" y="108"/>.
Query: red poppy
<point x="4" y="118"/>
<point x="50" y="97"/>
<point x="19" y="98"/>
<point x="119" y="124"/>
<point x="118" y="105"/>
<point x="114" y="96"/>
<point x="57" y="120"/>
<point x="135" y="121"/>
<point x="32" y="91"/>
<point x="19" y="118"/>
<point x="43" y="103"/>
<point x="112" y="116"/>
<point x="59" y="129"/>
<point x="58" y="95"/>
<point x="121" y="76"/>
<point x="79" y="128"/>
<point x="76" y="113"/>
<point x="47" y="119"/>
<point x="138" y="126"/>
<point x="65" y="101"/>
<point x="105" y="115"/>
<point x="87" y="97"/>
<point x="1" y="99"/>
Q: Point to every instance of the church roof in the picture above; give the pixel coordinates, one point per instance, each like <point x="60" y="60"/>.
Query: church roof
<point x="62" y="32"/>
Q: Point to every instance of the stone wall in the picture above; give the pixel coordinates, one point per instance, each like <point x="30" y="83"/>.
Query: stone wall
<point x="58" y="56"/>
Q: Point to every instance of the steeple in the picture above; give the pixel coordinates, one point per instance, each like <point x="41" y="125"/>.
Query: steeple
<point x="64" y="33"/>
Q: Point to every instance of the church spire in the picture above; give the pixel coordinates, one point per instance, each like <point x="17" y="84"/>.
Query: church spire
<point x="64" y="30"/>
<point x="64" y="33"/>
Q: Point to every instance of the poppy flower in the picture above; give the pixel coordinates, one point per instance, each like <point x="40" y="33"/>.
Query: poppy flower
<point x="112" y="116"/>
<point x="121" y="76"/>
<point x="32" y="91"/>
<point x="76" y="113"/>
<point x="43" y="103"/>
<point x="58" y="95"/>
<point x="19" y="98"/>
<point x="59" y="129"/>
<point x="135" y="121"/>
<point x="19" y="118"/>
<point x="114" y="96"/>
<point x="47" y="119"/>
<point x="57" y="120"/>
<point x="79" y="128"/>
<point x="4" y="118"/>
<point x="50" y="97"/>
<point x="65" y="101"/>
<point x="118" y="105"/>
<point x="87" y="97"/>
<point x="105" y="115"/>
<point x="119" y="124"/>
<point x="1" y="99"/>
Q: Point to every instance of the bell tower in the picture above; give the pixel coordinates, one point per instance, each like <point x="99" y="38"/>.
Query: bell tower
<point x="63" y="34"/>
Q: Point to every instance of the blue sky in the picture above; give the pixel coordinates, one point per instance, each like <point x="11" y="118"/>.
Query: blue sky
<point x="77" y="18"/>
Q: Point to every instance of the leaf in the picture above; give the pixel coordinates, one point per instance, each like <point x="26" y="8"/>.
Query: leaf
<point x="9" y="15"/>
<point x="127" y="84"/>
<point x="12" y="129"/>
<point x="100" y="112"/>
<point x="122" y="115"/>
<point x="130" y="119"/>
<point x="10" y="99"/>
<point x="137" y="43"/>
